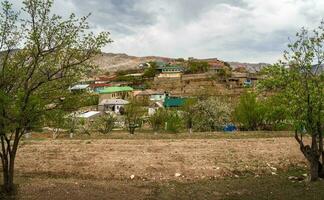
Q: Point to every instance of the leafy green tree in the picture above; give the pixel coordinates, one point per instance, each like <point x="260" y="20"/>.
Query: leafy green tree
<point x="133" y="116"/>
<point x="42" y="55"/>
<point x="158" y="119"/>
<point x="249" y="113"/>
<point x="195" y="67"/>
<point x="189" y="111"/>
<point x="173" y="121"/>
<point x="299" y="80"/>
<point x="151" y="71"/>
<point x="275" y="114"/>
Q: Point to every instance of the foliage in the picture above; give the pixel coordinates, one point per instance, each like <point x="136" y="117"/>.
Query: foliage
<point x="105" y="123"/>
<point x="158" y="119"/>
<point x="133" y="116"/>
<point x="42" y="55"/>
<point x="211" y="114"/>
<point x="188" y="113"/>
<point x="254" y="113"/>
<point x="173" y="121"/>
<point x="195" y="67"/>
<point x="300" y="82"/>
<point x="249" y="113"/>
<point x="151" y="71"/>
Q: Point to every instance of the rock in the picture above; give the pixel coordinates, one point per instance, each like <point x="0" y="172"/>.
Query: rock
<point x="273" y="169"/>
<point x="236" y="176"/>
<point x="304" y="175"/>
<point x="132" y="176"/>
<point x="177" y="174"/>
<point x="274" y="173"/>
<point x="293" y="178"/>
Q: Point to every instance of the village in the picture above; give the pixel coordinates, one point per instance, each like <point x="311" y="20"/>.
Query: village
<point x="159" y="100"/>
<point x="162" y="85"/>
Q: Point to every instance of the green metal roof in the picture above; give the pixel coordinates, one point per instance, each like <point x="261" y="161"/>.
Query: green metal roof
<point x="109" y="90"/>
<point x="174" y="102"/>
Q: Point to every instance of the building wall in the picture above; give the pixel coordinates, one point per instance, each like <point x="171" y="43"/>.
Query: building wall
<point x="170" y="75"/>
<point x="116" y="95"/>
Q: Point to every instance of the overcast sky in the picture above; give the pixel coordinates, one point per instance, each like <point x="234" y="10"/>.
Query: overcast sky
<point x="231" y="30"/>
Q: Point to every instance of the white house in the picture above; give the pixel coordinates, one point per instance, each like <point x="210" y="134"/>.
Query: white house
<point x="113" y="105"/>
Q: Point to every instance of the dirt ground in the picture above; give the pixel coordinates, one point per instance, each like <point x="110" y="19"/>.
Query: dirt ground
<point x="74" y="169"/>
<point x="156" y="159"/>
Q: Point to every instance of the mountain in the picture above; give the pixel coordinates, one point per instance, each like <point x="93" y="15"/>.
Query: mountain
<point x="250" y="67"/>
<point x="112" y="62"/>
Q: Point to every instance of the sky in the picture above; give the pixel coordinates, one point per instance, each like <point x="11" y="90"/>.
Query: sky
<point x="231" y="30"/>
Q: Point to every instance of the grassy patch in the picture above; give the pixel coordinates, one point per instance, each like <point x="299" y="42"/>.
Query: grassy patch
<point x="263" y="187"/>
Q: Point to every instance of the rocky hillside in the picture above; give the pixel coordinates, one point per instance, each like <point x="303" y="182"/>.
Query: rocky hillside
<point x="113" y="62"/>
<point x="110" y="62"/>
<point x="250" y="67"/>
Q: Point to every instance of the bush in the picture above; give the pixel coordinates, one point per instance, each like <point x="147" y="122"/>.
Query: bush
<point x="174" y="122"/>
<point x="105" y="123"/>
<point x="157" y="121"/>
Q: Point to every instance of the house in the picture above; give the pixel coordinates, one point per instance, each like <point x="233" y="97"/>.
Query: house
<point x="170" y="102"/>
<point x="150" y="95"/>
<point x="158" y="96"/>
<point x="104" y="79"/>
<point x="79" y="88"/>
<point x="89" y="115"/>
<point x="112" y="105"/>
<point x="115" y="93"/>
<point x="154" y="107"/>
<point x="171" y="71"/>
<point x="217" y="66"/>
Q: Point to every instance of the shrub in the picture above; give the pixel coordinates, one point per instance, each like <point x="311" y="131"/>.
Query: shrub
<point x="105" y="123"/>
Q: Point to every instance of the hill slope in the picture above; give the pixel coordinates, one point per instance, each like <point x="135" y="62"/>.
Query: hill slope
<point x="113" y="62"/>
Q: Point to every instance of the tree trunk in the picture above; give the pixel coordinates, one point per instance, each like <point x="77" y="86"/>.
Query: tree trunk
<point x="8" y="173"/>
<point x="314" y="172"/>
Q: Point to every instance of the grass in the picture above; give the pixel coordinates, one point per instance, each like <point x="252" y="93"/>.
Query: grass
<point x="245" y="188"/>
<point x="157" y="136"/>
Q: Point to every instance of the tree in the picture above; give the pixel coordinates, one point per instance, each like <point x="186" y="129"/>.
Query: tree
<point x="42" y="55"/>
<point x="188" y="113"/>
<point x="249" y="113"/>
<point x="151" y="71"/>
<point x="105" y="123"/>
<point x="173" y="121"/>
<point x="158" y="119"/>
<point x="211" y="114"/>
<point x="133" y="116"/>
<point x="195" y="67"/>
<point x="299" y="79"/>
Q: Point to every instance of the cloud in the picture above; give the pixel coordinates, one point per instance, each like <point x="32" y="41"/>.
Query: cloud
<point x="244" y="30"/>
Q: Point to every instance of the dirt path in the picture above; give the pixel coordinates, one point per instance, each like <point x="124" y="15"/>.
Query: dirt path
<point x="156" y="159"/>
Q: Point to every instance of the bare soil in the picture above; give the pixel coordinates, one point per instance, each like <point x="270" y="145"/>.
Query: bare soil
<point x="156" y="159"/>
<point x="125" y="169"/>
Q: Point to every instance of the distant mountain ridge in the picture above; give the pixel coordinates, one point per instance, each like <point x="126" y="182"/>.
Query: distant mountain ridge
<point x="112" y="62"/>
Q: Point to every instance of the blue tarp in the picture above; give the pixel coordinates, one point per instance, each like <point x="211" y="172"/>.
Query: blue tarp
<point x="230" y="128"/>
